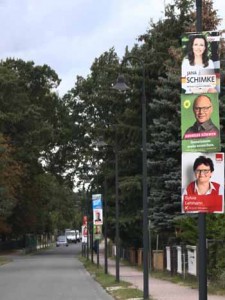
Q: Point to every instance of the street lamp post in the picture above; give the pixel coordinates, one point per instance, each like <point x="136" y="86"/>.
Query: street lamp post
<point x="87" y="244"/>
<point x="121" y="86"/>
<point x="106" y="226"/>
<point x="91" y="241"/>
<point x="117" y="239"/>
<point x="91" y="230"/>
<point x="201" y="216"/>
<point x="117" y="214"/>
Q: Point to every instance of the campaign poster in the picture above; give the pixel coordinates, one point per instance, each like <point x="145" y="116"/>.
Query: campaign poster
<point x="97" y="216"/>
<point x="97" y="201"/>
<point x="97" y="232"/>
<point x="200" y="124"/>
<point x="85" y="219"/>
<point x="201" y="64"/>
<point x="84" y="232"/>
<point x="202" y="182"/>
<point x="97" y="209"/>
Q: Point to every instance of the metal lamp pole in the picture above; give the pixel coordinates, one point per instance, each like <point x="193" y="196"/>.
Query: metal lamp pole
<point x="103" y="144"/>
<point x="117" y="214"/>
<point x="120" y="85"/>
<point x="202" y="257"/>
<point x="106" y="225"/>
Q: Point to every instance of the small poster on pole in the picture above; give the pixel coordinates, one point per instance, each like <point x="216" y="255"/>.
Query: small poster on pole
<point x="203" y="182"/>
<point x="200" y="124"/>
<point x="201" y="64"/>
<point x="84" y="231"/>
<point x="97" y="232"/>
<point x="97" y="209"/>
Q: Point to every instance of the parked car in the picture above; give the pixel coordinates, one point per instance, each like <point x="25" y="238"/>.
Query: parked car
<point x="62" y="241"/>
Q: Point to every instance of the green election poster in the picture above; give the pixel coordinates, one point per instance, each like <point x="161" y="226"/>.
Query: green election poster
<point x="200" y="129"/>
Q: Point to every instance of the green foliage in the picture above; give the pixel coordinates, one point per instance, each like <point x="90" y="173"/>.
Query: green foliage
<point x="186" y="229"/>
<point x="162" y="44"/>
<point x="11" y="173"/>
<point x="35" y="129"/>
<point x="164" y="116"/>
<point x="48" y="143"/>
<point x="101" y="113"/>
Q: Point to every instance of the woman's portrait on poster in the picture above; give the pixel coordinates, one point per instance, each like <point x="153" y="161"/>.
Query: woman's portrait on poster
<point x="198" y="70"/>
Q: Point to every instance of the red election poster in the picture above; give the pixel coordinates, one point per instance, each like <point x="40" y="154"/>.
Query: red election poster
<point x="84" y="233"/>
<point x="84" y="220"/>
<point x="202" y="182"/>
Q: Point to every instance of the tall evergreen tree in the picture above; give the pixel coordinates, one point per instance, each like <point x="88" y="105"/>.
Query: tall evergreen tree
<point x="162" y="44"/>
<point x="94" y="107"/>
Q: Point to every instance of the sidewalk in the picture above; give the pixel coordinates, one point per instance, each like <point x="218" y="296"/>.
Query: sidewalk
<point x="158" y="289"/>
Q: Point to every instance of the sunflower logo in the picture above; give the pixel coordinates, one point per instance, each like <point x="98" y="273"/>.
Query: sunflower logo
<point x="187" y="104"/>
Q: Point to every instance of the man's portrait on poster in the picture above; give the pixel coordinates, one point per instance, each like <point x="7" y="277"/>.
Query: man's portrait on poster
<point x="203" y="126"/>
<point x="98" y="216"/>
<point x="98" y="229"/>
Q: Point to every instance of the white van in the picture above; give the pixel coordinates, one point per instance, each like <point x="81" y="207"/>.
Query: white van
<point x="71" y="235"/>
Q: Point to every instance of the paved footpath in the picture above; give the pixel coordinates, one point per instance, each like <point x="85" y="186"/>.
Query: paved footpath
<point x="158" y="289"/>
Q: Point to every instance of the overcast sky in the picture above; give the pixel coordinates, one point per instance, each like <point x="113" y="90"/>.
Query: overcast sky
<point x="68" y="35"/>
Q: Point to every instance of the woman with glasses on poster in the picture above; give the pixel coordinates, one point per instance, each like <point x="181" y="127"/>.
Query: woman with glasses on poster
<point x="202" y="185"/>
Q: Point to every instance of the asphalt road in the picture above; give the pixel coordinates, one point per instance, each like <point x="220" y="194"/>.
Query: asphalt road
<point x="53" y="274"/>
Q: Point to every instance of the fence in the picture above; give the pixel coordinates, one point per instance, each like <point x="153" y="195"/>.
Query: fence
<point x="179" y="260"/>
<point x="132" y="255"/>
<point x="174" y="259"/>
<point x="28" y="243"/>
<point x="12" y="245"/>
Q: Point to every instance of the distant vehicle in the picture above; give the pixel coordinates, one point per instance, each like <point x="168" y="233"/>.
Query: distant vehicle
<point x="61" y="241"/>
<point x="78" y="236"/>
<point x="71" y="235"/>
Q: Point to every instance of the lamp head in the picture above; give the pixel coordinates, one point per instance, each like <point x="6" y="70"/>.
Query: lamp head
<point x="120" y="84"/>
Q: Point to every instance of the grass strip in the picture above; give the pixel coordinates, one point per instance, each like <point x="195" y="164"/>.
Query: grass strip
<point x="118" y="290"/>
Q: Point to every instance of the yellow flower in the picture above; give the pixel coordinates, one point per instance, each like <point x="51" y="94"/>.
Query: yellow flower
<point x="187" y="104"/>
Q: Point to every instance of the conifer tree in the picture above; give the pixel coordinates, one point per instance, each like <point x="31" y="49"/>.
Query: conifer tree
<point x="162" y="51"/>
<point x="95" y="106"/>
